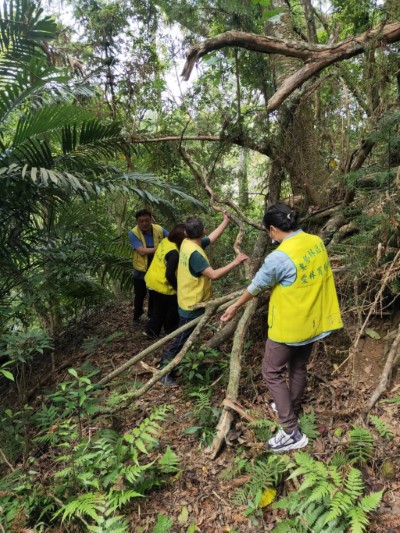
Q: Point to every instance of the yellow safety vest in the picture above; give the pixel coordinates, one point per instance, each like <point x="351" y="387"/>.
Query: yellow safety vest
<point x="140" y="262"/>
<point x="155" y="277"/>
<point x="309" y="306"/>
<point x="191" y="290"/>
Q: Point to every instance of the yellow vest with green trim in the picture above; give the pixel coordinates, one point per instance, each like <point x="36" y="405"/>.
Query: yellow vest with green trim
<point x="309" y="306"/>
<point x="191" y="290"/>
<point x="155" y="277"/>
<point x="140" y="262"/>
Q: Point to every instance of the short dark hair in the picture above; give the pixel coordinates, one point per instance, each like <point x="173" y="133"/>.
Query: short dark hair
<point x="177" y="234"/>
<point x="281" y="216"/>
<point x="142" y="213"/>
<point x="194" y="227"/>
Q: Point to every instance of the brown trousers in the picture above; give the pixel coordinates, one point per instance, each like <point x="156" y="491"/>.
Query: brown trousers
<point x="280" y="359"/>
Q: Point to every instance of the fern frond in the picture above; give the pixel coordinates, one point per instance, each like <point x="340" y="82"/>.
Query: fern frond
<point x="169" y="462"/>
<point x="308" y="425"/>
<point x="310" y="480"/>
<point x="395" y="400"/>
<point x="340" y="505"/>
<point x="360" y="445"/>
<point x="382" y="428"/>
<point x="90" y="504"/>
<point x="354" y="484"/>
<point x="371" y="501"/>
<point x="163" y="525"/>
<point x="312" y="513"/>
<point x="339" y="459"/>
<point x="358" y="520"/>
<point x="321" y="491"/>
<point x="117" y="499"/>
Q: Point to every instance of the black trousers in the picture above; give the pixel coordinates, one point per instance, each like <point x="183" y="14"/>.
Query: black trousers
<point x="140" y="289"/>
<point x="178" y="342"/>
<point x="164" y="313"/>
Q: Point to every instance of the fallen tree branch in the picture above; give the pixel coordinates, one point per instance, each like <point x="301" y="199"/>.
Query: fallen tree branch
<point x="226" y="418"/>
<point x="10" y="466"/>
<point x="383" y="383"/>
<point x="153" y="347"/>
<point x="235" y="406"/>
<point x="223" y="334"/>
<point x="210" y="310"/>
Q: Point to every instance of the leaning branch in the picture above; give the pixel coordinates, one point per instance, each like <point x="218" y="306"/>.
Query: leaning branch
<point x="316" y="57"/>
<point x="264" y="148"/>
<point x="383" y="383"/>
<point x="210" y="311"/>
<point x="153" y="347"/>
<point x="226" y="418"/>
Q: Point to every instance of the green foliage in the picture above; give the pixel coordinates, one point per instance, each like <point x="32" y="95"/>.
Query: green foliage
<point x="57" y="154"/>
<point x="22" y="346"/>
<point x="360" y="445"/>
<point x="95" y="476"/>
<point x="381" y="427"/>
<point x="308" y="425"/>
<point x="235" y="468"/>
<point x="202" y="366"/>
<point x="163" y="525"/>
<point x="264" y="473"/>
<point x="395" y="400"/>
<point x="204" y="415"/>
<point x="263" y="428"/>
<point x="330" y="498"/>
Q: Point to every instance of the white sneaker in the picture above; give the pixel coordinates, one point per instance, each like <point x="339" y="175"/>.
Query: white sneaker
<point x="283" y="442"/>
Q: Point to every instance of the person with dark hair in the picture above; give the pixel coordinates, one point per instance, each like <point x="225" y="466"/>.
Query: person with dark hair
<point x="303" y="309"/>
<point x="161" y="282"/>
<point x="144" y="239"/>
<point x="194" y="281"/>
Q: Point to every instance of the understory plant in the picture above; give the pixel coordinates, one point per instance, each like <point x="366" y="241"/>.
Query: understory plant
<point x="92" y="471"/>
<point x="329" y="499"/>
<point x="204" y="414"/>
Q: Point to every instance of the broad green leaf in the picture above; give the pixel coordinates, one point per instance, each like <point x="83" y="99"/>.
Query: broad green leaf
<point x="372" y="333"/>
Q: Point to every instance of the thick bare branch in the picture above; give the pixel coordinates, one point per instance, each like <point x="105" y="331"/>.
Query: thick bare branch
<point x="315" y="57"/>
<point x="226" y="418"/>
<point x="158" y="344"/>
<point x="383" y="382"/>
<point x="264" y="148"/>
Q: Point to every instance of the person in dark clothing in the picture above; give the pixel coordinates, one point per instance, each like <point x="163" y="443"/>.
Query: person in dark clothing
<point x="161" y="281"/>
<point x="144" y="239"/>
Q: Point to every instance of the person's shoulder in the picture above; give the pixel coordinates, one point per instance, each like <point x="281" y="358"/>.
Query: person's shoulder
<point x="205" y="241"/>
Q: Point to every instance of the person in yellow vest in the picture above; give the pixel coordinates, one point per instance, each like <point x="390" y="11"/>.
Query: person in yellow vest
<point x="144" y="239"/>
<point x="194" y="281"/>
<point x="303" y="309"/>
<point x="161" y="282"/>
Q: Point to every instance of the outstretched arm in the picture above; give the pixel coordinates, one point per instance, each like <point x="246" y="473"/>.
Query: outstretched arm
<point x="220" y="229"/>
<point x="231" y="311"/>
<point x="209" y="272"/>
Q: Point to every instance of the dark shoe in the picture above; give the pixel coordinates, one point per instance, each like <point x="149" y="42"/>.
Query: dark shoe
<point x="284" y="442"/>
<point x="168" y="381"/>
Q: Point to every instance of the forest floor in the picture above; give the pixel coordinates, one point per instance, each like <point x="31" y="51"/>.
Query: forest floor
<point x="199" y="494"/>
